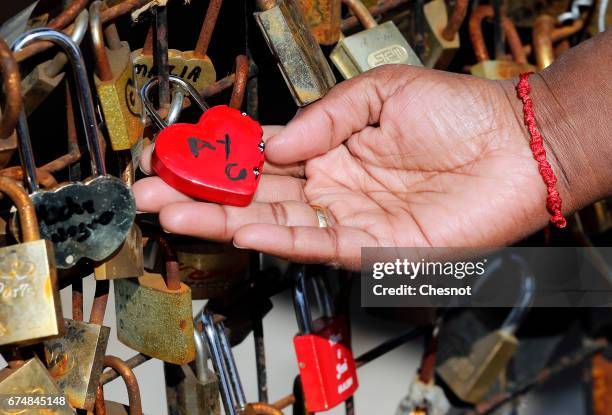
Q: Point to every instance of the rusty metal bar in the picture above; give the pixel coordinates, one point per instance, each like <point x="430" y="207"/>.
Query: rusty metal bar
<point x="11" y="81"/>
<point x="210" y="20"/>
<point x="132" y="362"/>
<point x="241" y="78"/>
<point x="126" y="6"/>
<point x="383" y="7"/>
<point x="68" y="15"/>
<point x="98" y="309"/>
<point x="160" y="58"/>
<point x="130" y="381"/>
<point x="455" y="20"/>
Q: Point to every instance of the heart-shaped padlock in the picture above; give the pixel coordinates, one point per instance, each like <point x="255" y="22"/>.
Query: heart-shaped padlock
<point x="219" y="159"/>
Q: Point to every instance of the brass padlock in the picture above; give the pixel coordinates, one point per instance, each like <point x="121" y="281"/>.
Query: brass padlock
<point x="300" y="59"/>
<point x="75" y="361"/>
<point x="127" y="261"/>
<point x="114" y="85"/>
<point x="324" y="19"/>
<point x="190" y="391"/>
<point x="32" y="379"/>
<point x="194" y="67"/>
<point x="154" y="314"/>
<point x="30" y="309"/>
<point x="46" y="76"/>
<point x="211" y="270"/>
<point x="496" y="69"/>
<point x="377" y="45"/>
<point x="442" y="32"/>
<point x="471" y="377"/>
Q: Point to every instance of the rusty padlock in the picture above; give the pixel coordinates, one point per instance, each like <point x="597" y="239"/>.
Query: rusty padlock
<point x="154" y="314"/>
<point x="114" y="84"/>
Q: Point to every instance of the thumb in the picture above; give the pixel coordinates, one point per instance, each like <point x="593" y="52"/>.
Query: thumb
<point x="348" y="108"/>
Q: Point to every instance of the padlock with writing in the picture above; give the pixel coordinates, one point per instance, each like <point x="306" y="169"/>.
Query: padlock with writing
<point x="76" y="359"/>
<point x="46" y="76"/>
<point x="194" y="67"/>
<point x="442" y="32"/>
<point x="114" y="84"/>
<point x="496" y="69"/>
<point x="230" y="386"/>
<point x="154" y="314"/>
<point x="377" y="45"/>
<point x="325" y="359"/>
<point x="127" y="261"/>
<point x="300" y="59"/>
<point x="211" y="270"/>
<point x="30" y="309"/>
<point x="88" y="219"/>
<point x="32" y="378"/>
<point x="324" y="19"/>
<point x="219" y="159"/>
<point x="471" y="377"/>
<point x="193" y="389"/>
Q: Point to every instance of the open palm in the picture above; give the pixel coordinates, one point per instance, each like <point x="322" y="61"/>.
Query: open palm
<point x="399" y="156"/>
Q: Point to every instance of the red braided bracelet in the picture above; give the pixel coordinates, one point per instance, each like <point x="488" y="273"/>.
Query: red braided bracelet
<point x="553" y="201"/>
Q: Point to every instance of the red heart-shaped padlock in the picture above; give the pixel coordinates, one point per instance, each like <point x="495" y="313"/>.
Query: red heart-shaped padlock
<point x="219" y="159"/>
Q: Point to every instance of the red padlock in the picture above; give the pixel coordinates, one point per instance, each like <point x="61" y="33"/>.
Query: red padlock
<point x="325" y="359"/>
<point x="219" y="159"/>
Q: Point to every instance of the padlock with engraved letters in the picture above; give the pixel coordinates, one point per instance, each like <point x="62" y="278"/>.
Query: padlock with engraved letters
<point x="471" y="377"/>
<point x="30" y="308"/>
<point x="194" y="67"/>
<point x="230" y="386"/>
<point x="114" y="84"/>
<point x="219" y="159"/>
<point x="193" y="389"/>
<point x="89" y="219"/>
<point x="300" y="59"/>
<point x="76" y="359"/>
<point x="496" y="69"/>
<point x="442" y="32"/>
<point x="324" y="19"/>
<point x="154" y="314"/>
<point x="377" y="45"/>
<point x="32" y="378"/>
<point x="46" y="76"/>
<point x="325" y="359"/>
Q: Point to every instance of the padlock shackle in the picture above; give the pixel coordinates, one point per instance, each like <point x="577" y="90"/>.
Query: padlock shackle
<point x="172" y="276"/>
<point x="455" y="20"/>
<point x="56" y="65"/>
<point x="362" y="13"/>
<point x="11" y="82"/>
<point x="262" y="408"/>
<point x="208" y="26"/>
<point x="103" y="67"/>
<point x="477" y="38"/>
<point x="241" y="78"/>
<point x="25" y="208"/>
<point x="324" y="297"/>
<point x="300" y="300"/>
<point x="130" y="381"/>
<point x="202" y="355"/>
<point x="186" y="87"/>
<point x="230" y="387"/>
<point x="542" y="40"/>
<point x="176" y="106"/>
<point x="83" y="91"/>
<point x="526" y="295"/>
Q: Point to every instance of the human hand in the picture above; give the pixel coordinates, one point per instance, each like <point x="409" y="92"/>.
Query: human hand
<point x="399" y="156"/>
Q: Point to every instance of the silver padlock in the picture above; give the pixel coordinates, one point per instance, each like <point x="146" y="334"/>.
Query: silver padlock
<point x="89" y="219"/>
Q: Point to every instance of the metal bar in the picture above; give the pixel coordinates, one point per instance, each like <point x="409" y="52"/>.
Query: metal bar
<point x="160" y="58"/>
<point x="132" y="362"/>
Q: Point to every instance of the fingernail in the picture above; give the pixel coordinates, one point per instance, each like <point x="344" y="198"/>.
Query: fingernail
<point x="238" y="246"/>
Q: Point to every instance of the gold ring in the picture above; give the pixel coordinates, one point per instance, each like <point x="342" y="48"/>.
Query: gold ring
<point x="322" y="216"/>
